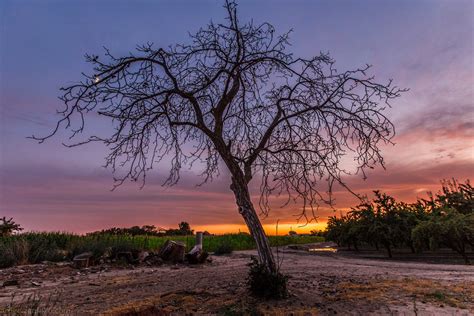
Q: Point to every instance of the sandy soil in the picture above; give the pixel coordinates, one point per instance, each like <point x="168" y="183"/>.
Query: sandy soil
<point x="320" y="284"/>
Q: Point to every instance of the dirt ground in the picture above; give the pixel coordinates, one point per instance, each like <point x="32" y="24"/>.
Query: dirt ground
<point x="320" y="284"/>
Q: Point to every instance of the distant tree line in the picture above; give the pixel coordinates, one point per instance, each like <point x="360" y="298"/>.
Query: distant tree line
<point x="445" y="219"/>
<point x="148" y="230"/>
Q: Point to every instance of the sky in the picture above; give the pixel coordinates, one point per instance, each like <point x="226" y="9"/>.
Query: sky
<point x="426" y="46"/>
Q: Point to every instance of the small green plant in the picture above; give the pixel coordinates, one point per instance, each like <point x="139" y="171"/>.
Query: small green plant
<point x="438" y="295"/>
<point x="265" y="284"/>
<point x="223" y="249"/>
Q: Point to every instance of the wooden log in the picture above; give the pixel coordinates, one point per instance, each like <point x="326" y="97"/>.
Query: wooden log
<point x="172" y="251"/>
<point x="196" y="256"/>
<point x="83" y="260"/>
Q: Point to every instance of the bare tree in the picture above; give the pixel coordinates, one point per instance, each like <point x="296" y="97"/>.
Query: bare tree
<point x="235" y="95"/>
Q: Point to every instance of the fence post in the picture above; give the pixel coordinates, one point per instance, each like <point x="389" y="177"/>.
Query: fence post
<point x="199" y="236"/>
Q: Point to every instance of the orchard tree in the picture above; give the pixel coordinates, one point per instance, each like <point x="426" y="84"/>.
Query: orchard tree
<point x="450" y="228"/>
<point x="234" y="98"/>
<point x="450" y="221"/>
<point x="335" y="229"/>
<point x="455" y="195"/>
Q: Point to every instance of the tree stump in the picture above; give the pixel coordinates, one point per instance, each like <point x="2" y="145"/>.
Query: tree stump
<point x="83" y="260"/>
<point x="172" y="251"/>
<point x="196" y="255"/>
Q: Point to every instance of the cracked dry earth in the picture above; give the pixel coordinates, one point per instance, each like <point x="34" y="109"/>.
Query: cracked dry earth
<point x="320" y="284"/>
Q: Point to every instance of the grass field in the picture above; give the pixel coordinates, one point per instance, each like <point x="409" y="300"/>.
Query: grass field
<point x="30" y="248"/>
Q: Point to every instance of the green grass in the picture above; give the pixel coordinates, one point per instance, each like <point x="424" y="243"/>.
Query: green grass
<point x="56" y="246"/>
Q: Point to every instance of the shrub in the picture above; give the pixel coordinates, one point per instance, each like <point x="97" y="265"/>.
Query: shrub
<point x="265" y="284"/>
<point x="223" y="249"/>
<point x="97" y="246"/>
<point x="124" y="245"/>
<point x="44" y="250"/>
<point x="13" y="251"/>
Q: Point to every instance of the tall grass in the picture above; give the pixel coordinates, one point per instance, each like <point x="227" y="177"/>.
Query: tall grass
<point x="57" y="246"/>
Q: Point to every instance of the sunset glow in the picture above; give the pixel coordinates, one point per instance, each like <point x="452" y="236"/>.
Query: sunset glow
<point x="270" y="229"/>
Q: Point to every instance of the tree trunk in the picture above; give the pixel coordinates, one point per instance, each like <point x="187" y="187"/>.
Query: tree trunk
<point x="462" y="251"/>
<point x="389" y="250"/>
<point x="460" y="248"/>
<point x="247" y="211"/>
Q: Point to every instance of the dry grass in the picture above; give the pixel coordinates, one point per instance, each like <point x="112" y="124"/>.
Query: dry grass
<point x="165" y="304"/>
<point x="423" y="290"/>
<point x="201" y="302"/>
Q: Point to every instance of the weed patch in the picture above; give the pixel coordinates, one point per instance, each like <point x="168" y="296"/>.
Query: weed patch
<point x="265" y="284"/>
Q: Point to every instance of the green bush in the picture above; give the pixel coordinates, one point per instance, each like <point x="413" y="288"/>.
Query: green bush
<point x="44" y="250"/>
<point x="13" y="251"/>
<point x="265" y="284"/>
<point x="223" y="249"/>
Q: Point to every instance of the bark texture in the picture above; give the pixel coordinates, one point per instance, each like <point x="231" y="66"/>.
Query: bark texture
<point x="247" y="210"/>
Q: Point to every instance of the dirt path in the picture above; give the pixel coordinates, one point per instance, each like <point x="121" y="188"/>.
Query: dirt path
<point x="323" y="284"/>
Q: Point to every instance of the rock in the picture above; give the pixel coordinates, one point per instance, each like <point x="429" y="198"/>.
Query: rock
<point x="47" y="263"/>
<point x="83" y="260"/>
<point x="84" y="255"/>
<point x="172" y="251"/>
<point x="142" y="255"/>
<point x="11" y="282"/>
<point x="35" y="283"/>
